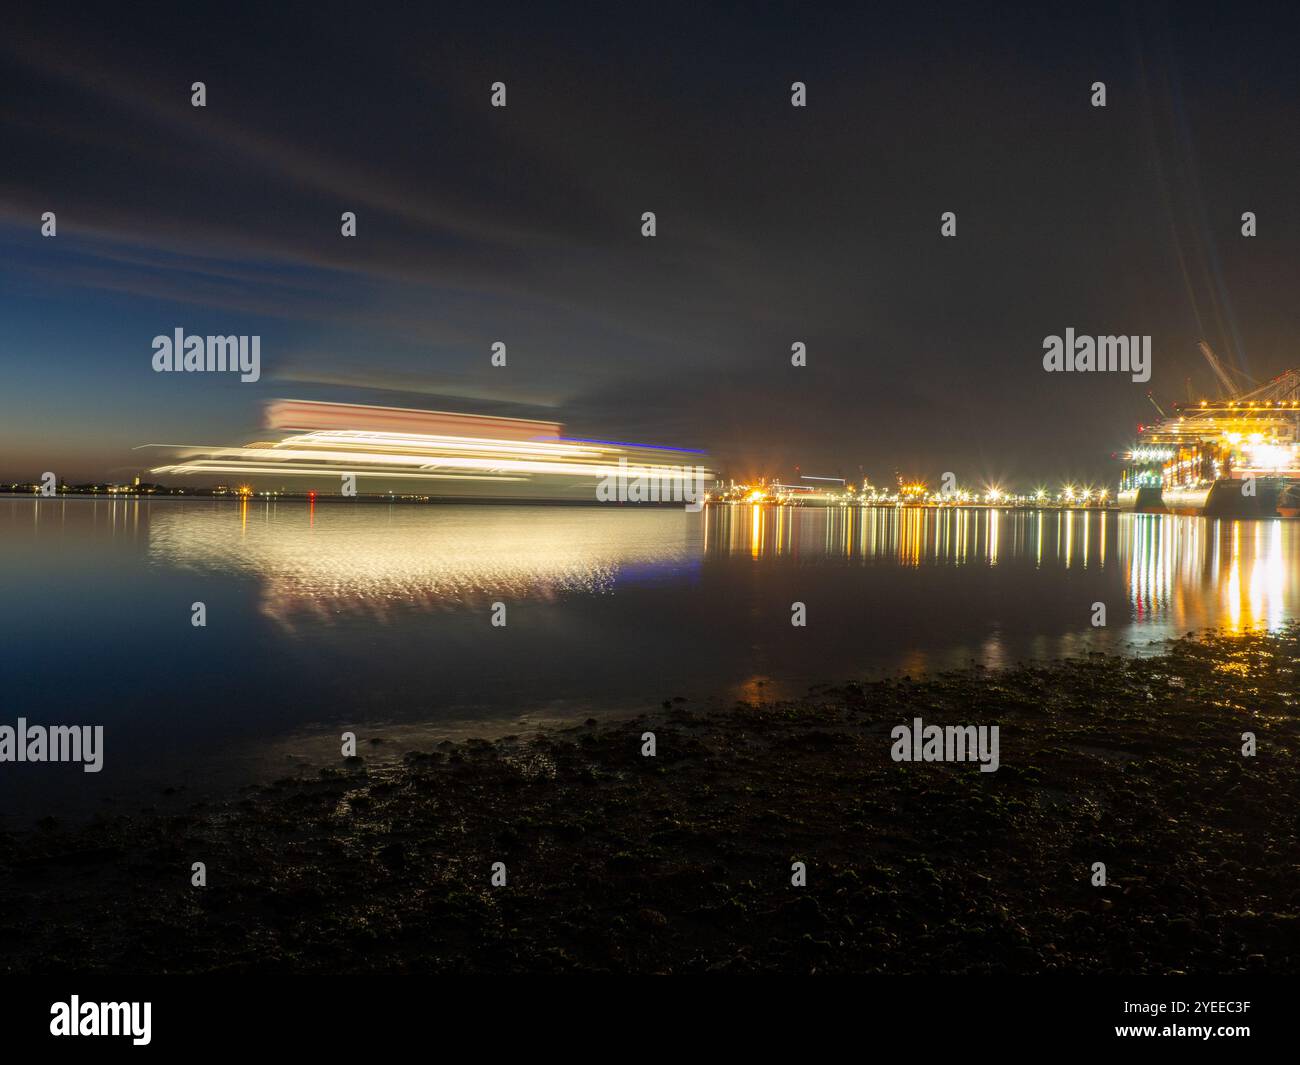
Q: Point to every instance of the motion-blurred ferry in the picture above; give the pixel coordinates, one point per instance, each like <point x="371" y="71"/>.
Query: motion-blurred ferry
<point x="408" y="453"/>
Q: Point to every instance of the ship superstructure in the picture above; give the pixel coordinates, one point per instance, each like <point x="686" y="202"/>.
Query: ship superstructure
<point x="1234" y="456"/>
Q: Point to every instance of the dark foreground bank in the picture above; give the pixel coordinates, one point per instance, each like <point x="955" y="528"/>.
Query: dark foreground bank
<point x="682" y="862"/>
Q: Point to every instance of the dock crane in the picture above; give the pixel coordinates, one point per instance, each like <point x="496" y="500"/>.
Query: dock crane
<point x="1219" y="372"/>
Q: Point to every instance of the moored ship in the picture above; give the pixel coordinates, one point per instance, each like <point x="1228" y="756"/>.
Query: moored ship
<point x="1234" y="457"/>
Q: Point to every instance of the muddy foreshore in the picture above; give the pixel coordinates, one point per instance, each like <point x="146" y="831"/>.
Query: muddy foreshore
<point x="617" y="862"/>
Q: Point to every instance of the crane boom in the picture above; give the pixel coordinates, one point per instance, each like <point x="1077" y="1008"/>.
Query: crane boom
<point x="1218" y="369"/>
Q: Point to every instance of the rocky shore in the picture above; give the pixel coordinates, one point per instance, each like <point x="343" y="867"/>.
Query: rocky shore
<point x="681" y="862"/>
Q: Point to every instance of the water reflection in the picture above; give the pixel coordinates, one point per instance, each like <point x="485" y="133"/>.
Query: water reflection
<point x="375" y="560"/>
<point x="347" y="614"/>
<point x="1196" y="572"/>
<point x="1181" y="571"/>
<point x="1176" y="573"/>
<point x="909" y="536"/>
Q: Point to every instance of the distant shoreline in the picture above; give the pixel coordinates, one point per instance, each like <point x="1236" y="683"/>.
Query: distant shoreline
<point x="285" y="497"/>
<point x="515" y="501"/>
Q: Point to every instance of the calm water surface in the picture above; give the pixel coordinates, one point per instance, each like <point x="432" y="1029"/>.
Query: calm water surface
<point x="377" y="618"/>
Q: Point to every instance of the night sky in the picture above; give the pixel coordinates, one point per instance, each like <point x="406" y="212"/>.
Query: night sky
<point x="522" y="224"/>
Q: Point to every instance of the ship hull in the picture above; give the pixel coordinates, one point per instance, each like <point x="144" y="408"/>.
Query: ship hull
<point x="1226" y="499"/>
<point x="1145" y="499"/>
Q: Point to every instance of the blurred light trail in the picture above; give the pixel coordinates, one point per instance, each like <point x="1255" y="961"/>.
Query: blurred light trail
<point x="382" y="443"/>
